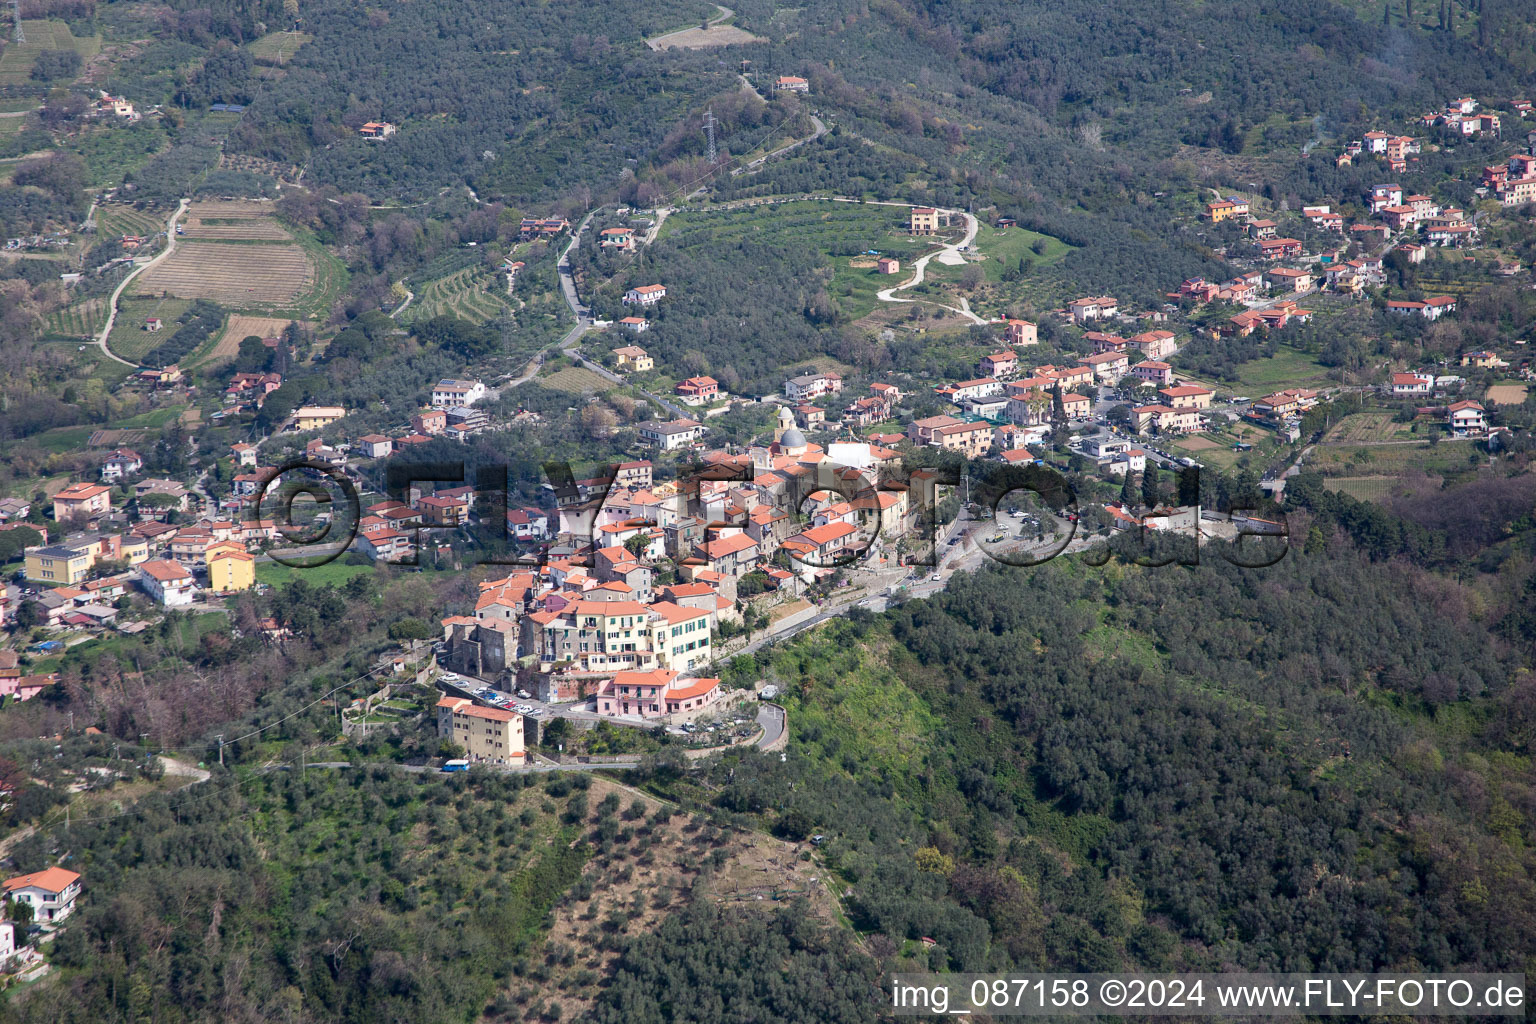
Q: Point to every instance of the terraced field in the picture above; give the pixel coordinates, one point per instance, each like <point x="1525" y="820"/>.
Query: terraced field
<point x="81" y="320"/>
<point x="470" y="293"/>
<point x="1363" y="488"/>
<point x="16" y="63"/>
<point x="233" y="221"/>
<point x="232" y="273"/>
<point x="113" y="220"/>
<point x="575" y="380"/>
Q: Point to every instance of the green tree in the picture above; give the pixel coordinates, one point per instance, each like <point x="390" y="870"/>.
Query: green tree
<point x="1151" y="487"/>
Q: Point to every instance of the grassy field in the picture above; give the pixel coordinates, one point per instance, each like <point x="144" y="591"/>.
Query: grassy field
<point x="65" y="439"/>
<point x="16" y="63"/>
<point x="129" y="339"/>
<point x="81" y="320"/>
<point x="1288" y="368"/>
<point x="1391" y="459"/>
<point x="277" y="47"/>
<point x="472" y="293"/>
<point x="276" y="574"/>
<point x="1004" y="250"/>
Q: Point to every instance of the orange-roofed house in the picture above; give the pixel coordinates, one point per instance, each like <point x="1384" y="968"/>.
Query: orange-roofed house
<point x="734" y="555"/>
<point x="1466" y="418"/>
<point x="924" y="220"/>
<point x="1187" y="396"/>
<point x="51" y="893"/>
<point x="690" y="695"/>
<point x="637" y="694"/>
<point x="998" y="365"/>
<point x="697" y="390"/>
<point x="645" y="295"/>
<point x="167" y="582"/>
<point x="1021" y="332"/>
<point x="82" y="499"/>
<point x="490" y="735"/>
<point x="1153" y="372"/>
<point x="633" y="357"/>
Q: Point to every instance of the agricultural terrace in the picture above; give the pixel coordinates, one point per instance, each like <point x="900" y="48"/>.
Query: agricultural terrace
<point x="1366" y="427"/>
<point x="842" y="237"/>
<point x="233" y="221"/>
<point x="114" y="220"/>
<point x="81" y="320"/>
<point x="1507" y="394"/>
<point x="16" y="63"/>
<point x="460" y="285"/>
<point x="1366" y="488"/>
<point x="236" y="330"/>
<point x="232" y="274"/>
<point x="576" y="380"/>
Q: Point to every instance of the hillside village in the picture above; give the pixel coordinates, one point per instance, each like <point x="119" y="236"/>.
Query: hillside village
<point x="846" y="443"/>
<point x="692" y="541"/>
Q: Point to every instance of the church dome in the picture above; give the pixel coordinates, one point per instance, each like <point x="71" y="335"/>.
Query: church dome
<point x="792" y="438"/>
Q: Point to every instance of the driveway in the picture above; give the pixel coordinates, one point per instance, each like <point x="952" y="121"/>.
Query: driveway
<point x="170" y="247"/>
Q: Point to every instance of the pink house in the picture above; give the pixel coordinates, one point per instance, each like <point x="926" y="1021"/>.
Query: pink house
<point x="653" y="694"/>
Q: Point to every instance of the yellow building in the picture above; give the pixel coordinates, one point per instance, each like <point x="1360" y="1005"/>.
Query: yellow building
<point x="316" y="417"/>
<point x="633" y="357"/>
<point x="925" y="220"/>
<point x="230" y="568"/>
<point x="1220" y="210"/>
<point x="59" y="564"/>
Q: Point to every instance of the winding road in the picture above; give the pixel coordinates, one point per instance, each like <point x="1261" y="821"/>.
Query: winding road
<point x="584" y="323"/>
<point x="170" y="247"/>
<point x="921" y="266"/>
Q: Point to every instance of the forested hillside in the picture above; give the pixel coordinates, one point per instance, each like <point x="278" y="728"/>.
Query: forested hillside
<point x="1300" y="767"/>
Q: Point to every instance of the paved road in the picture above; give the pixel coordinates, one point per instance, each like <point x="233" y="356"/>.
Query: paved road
<point x="170" y="247"/>
<point x="584" y="322"/>
<point x="771" y="719"/>
<point x="921" y="266"/>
